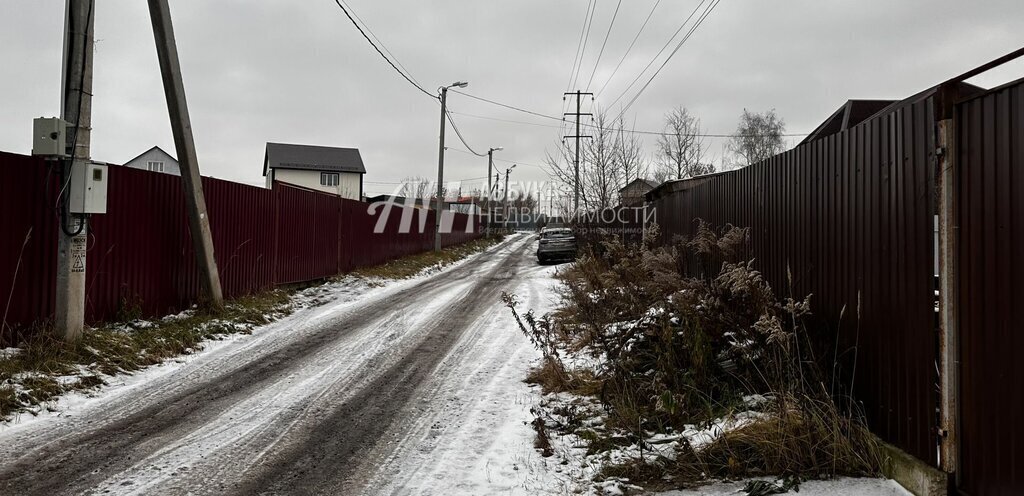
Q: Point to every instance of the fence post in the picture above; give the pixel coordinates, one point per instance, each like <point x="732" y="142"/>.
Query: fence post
<point x="949" y="349"/>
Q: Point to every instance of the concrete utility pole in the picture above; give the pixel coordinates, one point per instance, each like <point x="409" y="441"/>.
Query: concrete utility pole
<point x="579" y="96"/>
<point x="490" y="166"/>
<point x="181" y="127"/>
<point x="440" y="164"/>
<point x="76" y="109"/>
<point x="504" y="219"/>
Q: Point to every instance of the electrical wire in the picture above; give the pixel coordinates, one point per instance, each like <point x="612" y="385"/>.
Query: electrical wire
<point x="459" y="134"/>
<point x="63" y="205"/>
<point x="510" y="107"/>
<point x="704" y="16"/>
<point x="385" y="57"/>
<point x="579" y="44"/>
<point x="379" y="41"/>
<point x="629" y="49"/>
<point x="663" y="48"/>
<point x="630" y="131"/>
<point x="583" y="50"/>
<point x="577" y="59"/>
<point x="544" y="168"/>
<point x="604" y="44"/>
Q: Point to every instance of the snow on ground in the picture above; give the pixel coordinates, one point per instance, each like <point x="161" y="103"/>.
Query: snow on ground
<point x="472" y="433"/>
<point x="309" y="306"/>
<point x="468" y="431"/>
<point x="838" y="487"/>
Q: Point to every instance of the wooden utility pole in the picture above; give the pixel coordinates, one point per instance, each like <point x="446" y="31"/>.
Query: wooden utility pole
<point x="184" y="144"/>
<point x="579" y="96"/>
<point x="76" y="109"/>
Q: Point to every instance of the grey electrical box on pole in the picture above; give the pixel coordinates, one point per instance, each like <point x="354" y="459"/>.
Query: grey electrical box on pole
<point x="184" y="144"/>
<point x="49" y="137"/>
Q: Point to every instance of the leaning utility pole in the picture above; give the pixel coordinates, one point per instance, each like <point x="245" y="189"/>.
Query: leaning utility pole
<point x="579" y="96"/>
<point x="184" y="144"/>
<point x="76" y="110"/>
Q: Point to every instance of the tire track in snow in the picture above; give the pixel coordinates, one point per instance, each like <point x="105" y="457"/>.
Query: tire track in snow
<point x="328" y="458"/>
<point x="78" y="454"/>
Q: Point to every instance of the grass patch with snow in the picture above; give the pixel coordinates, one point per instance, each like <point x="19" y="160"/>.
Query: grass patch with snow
<point x="430" y="261"/>
<point x="45" y="367"/>
<point x="658" y="379"/>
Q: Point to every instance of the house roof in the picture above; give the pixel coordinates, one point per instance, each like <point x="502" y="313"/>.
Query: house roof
<point x="674" y="185"/>
<point x="650" y="184"/>
<point x="161" y="150"/>
<point x="852" y="112"/>
<point x="310" y="157"/>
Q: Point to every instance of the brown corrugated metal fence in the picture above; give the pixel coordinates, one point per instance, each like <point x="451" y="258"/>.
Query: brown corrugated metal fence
<point x="140" y="255"/>
<point x="849" y="218"/>
<point x="990" y="152"/>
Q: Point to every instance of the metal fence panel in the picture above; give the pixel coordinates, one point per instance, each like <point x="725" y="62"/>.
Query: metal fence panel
<point x="990" y="148"/>
<point x="140" y="259"/>
<point x="849" y="219"/>
<point x="28" y="246"/>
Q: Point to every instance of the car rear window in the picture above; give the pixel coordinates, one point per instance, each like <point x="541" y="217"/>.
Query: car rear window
<point x="561" y="233"/>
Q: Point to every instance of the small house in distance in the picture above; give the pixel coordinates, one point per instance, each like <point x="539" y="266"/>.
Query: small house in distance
<point x="155" y="160"/>
<point x="632" y="194"/>
<point x="323" y="168"/>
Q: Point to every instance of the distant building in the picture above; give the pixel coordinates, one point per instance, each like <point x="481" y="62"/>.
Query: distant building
<point x="329" y="169"/>
<point x="632" y="195"/>
<point x="155" y="160"/>
<point x="401" y="200"/>
<point x="465" y="205"/>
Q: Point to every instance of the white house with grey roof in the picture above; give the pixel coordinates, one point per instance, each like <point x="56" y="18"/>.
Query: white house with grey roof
<point x="155" y="160"/>
<point x="323" y="168"/>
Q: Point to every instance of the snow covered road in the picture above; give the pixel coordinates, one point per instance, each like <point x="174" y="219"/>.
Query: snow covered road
<point x="404" y="389"/>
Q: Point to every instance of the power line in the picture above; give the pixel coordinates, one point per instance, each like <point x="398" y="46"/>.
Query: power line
<point x="586" y="39"/>
<point x="577" y="60"/>
<point x="663" y="48"/>
<point x="603" y="44"/>
<point x="704" y="16"/>
<point x="508" y="161"/>
<point x="579" y="44"/>
<point x="631" y="44"/>
<point x="367" y="26"/>
<point x="505" y="105"/>
<point x="634" y="131"/>
<point x="385" y="57"/>
<point x="459" y="134"/>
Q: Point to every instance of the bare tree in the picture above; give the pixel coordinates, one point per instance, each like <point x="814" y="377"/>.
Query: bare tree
<point x="422" y="188"/>
<point x="629" y="154"/>
<point x="603" y="177"/>
<point x="681" y="149"/>
<point x="758" y="137"/>
<point x="417" y="187"/>
<point x="600" y="166"/>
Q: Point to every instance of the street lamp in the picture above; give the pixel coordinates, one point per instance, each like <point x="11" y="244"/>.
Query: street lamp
<point x="440" y="165"/>
<point x="504" y="219"/>
<point x="490" y="166"/>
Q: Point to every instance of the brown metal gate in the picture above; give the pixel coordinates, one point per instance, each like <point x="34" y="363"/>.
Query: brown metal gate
<point x="990" y="154"/>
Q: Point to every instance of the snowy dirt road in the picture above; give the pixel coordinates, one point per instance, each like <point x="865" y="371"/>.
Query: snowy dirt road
<point x="404" y="389"/>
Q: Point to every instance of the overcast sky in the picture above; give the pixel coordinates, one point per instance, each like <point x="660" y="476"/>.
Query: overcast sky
<point x="299" y="72"/>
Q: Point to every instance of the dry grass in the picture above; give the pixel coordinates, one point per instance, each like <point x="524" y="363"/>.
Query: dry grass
<point x="412" y="265"/>
<point x="681" y="348"/>
<point x="46" y="367"/>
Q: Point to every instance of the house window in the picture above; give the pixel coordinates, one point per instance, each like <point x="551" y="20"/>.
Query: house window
<point x="155" y="166"/>
<point x="329" y="178"/>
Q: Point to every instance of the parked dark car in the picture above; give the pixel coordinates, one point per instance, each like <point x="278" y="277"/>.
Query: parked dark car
<point x="556" y="243"/>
